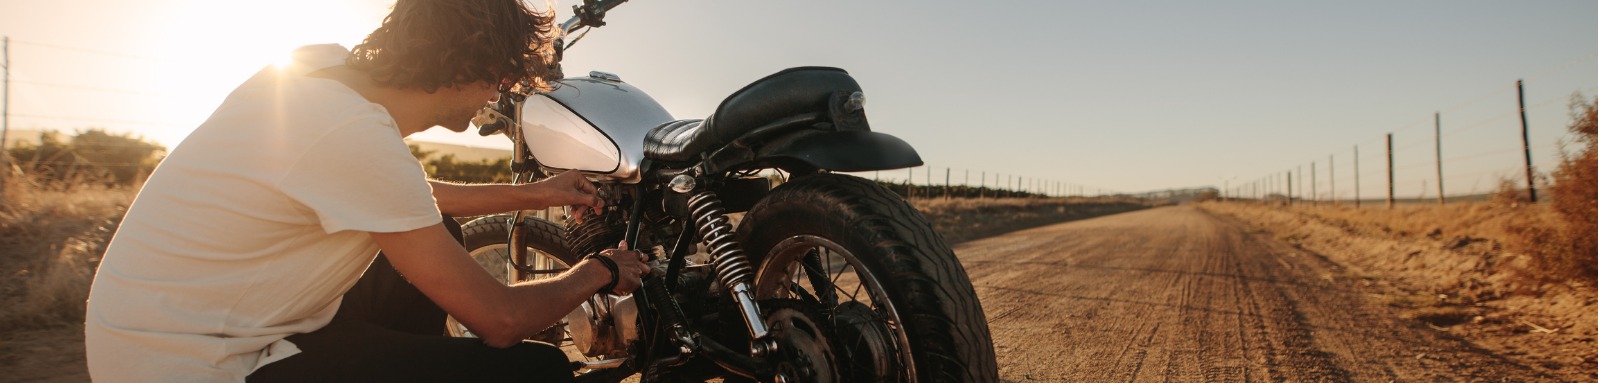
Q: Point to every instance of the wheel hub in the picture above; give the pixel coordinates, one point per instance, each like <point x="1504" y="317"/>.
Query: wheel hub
<point x="804" y="353"/>
<point x="864" y="341"/>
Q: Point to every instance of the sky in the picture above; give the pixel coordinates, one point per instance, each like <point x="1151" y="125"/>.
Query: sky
<point x="1123" y="96"/>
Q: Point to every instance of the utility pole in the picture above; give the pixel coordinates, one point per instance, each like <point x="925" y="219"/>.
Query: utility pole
<point x="1438" y="156"/>
<point x="1313" y="182"/>
<point x="1333" y="191"/>
<point x="1527" y="154"/>
<point x="1288" y="180"/>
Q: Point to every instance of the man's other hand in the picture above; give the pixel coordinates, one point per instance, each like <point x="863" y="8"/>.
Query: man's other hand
<point x="631" y="268"/>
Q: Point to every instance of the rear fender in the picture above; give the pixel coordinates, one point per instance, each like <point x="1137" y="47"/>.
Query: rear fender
<point x="847" y="151"/>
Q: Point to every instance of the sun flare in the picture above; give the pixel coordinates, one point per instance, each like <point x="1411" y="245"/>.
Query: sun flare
<point x="212" y="46"/>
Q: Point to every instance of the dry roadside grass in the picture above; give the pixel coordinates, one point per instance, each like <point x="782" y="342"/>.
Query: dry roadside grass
<point x="1463" y="268"/>
<point x="51" y="240"/>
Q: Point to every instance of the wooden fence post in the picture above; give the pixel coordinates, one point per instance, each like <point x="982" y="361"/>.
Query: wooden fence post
<point x="1527" y="154"/>
<point x="1357" y="172"/>
<point x="1438" y="156"/>
<point x="1388" y="142"/>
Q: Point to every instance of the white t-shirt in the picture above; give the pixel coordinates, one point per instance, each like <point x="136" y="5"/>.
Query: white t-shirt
<point x="252" y="229"/>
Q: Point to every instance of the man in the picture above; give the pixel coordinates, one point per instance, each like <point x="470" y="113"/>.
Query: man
<point x="235" y="260"/>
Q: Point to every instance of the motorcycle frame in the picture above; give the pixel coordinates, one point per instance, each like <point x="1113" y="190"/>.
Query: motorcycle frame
<point x="791" y="144"/>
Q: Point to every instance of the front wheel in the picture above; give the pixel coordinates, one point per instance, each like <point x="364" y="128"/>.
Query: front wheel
<point x="859" y="288"/>
<point x="485" y="240"/>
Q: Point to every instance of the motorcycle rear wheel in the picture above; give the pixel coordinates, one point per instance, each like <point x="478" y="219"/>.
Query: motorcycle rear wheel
<point x="895" y="304"/>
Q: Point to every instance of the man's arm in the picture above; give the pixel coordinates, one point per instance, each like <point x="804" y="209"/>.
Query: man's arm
<point x="501" y="315"/>
<point x="566" y="189"/>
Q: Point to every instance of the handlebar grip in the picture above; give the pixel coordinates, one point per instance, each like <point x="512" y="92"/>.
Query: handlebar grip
<point x="491" y="128"/>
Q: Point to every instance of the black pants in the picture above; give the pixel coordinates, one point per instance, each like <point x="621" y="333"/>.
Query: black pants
<point x="388" y="331"/>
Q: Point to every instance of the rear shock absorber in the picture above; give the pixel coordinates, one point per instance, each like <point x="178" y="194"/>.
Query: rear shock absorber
<point x="731" y="264"/>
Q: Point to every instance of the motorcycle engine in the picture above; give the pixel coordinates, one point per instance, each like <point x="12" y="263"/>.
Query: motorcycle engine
<point x="604" y="325"/>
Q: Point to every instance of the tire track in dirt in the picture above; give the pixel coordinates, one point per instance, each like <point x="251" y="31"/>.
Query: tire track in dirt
<point x="1177" y="295"/>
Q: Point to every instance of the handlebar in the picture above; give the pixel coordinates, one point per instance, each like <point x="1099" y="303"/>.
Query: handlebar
<point x="591" y="13"/>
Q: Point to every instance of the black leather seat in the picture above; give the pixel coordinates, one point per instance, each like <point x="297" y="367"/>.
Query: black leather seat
<point x="784" y="94"/>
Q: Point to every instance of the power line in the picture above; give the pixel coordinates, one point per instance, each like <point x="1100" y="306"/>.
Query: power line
<point x="102" y="120"/>
<point x="90" y="88"/>
<point x="89" y="50"/>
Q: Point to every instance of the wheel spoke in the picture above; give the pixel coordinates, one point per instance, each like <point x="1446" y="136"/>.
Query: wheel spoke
<point x="830" y="282"/>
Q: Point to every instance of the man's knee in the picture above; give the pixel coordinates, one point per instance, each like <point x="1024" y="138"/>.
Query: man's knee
<point x="539" y="362"/>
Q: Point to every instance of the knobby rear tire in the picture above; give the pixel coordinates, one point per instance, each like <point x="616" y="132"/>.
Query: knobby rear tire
<point x="939" y="310"/>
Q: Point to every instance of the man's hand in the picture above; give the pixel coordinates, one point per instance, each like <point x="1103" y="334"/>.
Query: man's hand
<point x="631" y="268"/>
<point x="570" y="189"/>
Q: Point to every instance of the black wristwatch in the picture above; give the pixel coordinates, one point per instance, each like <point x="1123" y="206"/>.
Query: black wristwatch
<point x="610" y="265"/>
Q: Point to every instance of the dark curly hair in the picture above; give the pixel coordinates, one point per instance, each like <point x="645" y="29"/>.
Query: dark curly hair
<point x="432" y="44"/>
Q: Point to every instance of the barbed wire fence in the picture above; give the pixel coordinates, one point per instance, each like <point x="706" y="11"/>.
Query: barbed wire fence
<point x="66" y="159"/>
<point x="1368" y="172"/>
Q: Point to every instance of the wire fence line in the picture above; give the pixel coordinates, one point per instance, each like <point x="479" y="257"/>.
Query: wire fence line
<point x="1426" y="158"/>
<point x="955" y="182"/>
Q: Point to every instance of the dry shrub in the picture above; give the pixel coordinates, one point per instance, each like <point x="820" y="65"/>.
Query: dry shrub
<point x="1573" y="195"/>
<point x="1559" y="238"/>
<point x="50" y="243"/>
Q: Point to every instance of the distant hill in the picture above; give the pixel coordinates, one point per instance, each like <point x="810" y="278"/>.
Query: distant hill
<point x="462" y="152"/>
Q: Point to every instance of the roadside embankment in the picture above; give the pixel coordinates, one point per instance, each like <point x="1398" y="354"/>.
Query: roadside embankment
<point x="1455" y="267"/>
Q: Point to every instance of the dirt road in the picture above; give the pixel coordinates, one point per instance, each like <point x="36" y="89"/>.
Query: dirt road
<point x="1177" y="295"/>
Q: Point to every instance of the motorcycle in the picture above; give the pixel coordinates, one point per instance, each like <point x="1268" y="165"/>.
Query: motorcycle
<point x="823" y="278"/>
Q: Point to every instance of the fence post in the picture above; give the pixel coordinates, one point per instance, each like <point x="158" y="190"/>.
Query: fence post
<point x="1333" y="190"/>
<point x="910" y="173"/>
<point x="946" y="183"/>
<point x="1357" y="171"/>
<point x="1527" y="154"/>
<point x="1313" y="182"/>
<point x="1288" y="180"/>
<point x="1438" y="156"/>
<point x="1388" y="142"/>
